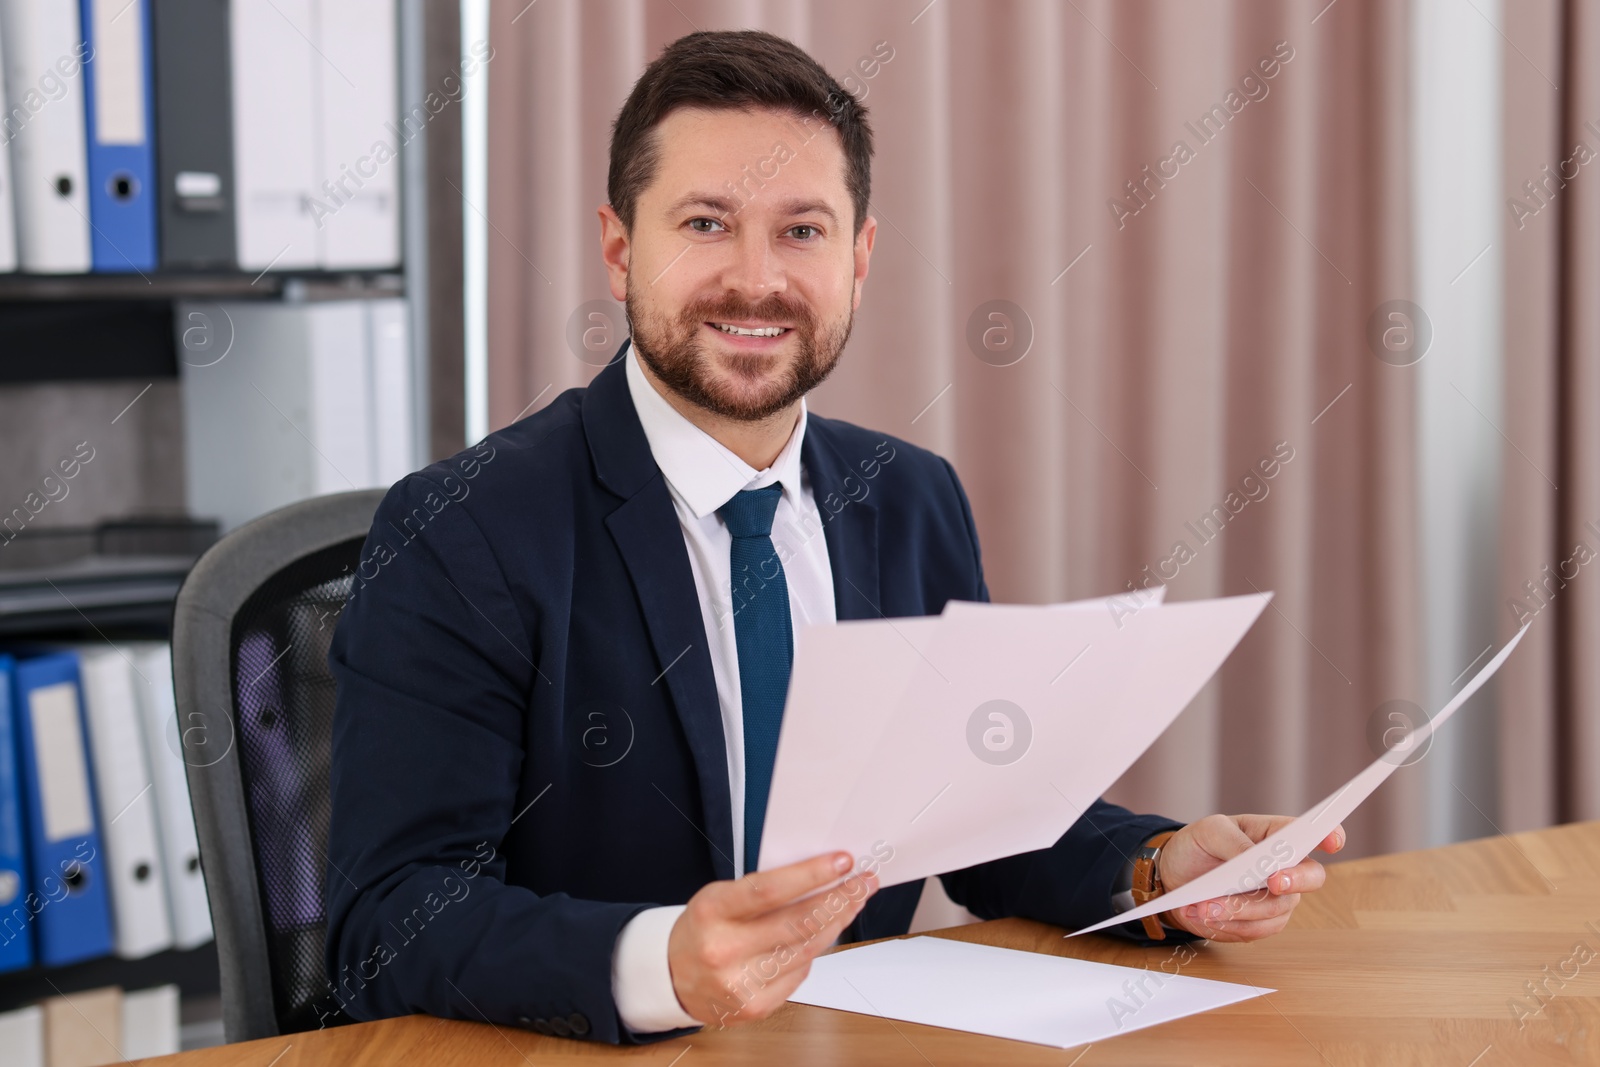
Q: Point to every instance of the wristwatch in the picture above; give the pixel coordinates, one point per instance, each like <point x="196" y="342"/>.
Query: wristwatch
<point x="1147" y="882"/>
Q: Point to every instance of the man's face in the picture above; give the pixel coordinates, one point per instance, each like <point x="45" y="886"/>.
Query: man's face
<point x="742" y="272"/>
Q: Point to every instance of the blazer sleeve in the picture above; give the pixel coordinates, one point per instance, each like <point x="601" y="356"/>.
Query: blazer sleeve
<point x="1071" y="883"/>
<point x="431" y="659"/>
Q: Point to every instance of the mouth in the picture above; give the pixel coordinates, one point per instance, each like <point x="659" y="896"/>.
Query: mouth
<point x="751" y="336"/>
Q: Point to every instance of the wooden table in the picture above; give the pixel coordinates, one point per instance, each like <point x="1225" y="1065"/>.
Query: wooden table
<point x="1417" y="958"/>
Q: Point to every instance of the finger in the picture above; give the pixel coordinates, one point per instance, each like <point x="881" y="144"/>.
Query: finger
<point x="767" y="978"/>
<point x="1247" y="931"/>
<point x="1219" y="909"/>
<point x="762" y="891"/>
<point x="813" y="923"/>
<point x="1304" y="877"/>
<point x="773" y="994"/>
<point x="752" y="955"/>
<point x="1240" y="908"/>
<point x="778" y="942"/>
<point x="1334" y="841"/>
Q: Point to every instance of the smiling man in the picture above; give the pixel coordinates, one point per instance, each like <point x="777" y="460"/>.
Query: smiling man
<point x="559" y="699"/>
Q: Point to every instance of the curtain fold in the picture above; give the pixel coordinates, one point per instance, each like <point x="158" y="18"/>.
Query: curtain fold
<point x="1192" y="317"/>
<point x="1550" y="528"/>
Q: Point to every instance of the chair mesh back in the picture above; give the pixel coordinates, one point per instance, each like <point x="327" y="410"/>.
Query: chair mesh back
<point x="283" y="694"/>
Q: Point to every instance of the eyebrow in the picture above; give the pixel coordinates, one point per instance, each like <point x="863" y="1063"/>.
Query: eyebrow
<point x="725" y="206"/>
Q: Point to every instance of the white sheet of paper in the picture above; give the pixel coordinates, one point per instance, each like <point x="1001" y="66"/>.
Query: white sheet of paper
<point x="862" y="666"/>
<point x="1024" y="996"/>
<point x="890" y="748"/>
<point x="1249" y="871"/>
<point x="1124" y="604"/>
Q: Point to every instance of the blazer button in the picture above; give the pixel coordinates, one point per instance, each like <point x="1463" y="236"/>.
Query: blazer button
<point x="543" y="1026"/>
<point x="559" y="1025"/>
<point x="524" y="1021"/>
<point x="579" y="1024"/>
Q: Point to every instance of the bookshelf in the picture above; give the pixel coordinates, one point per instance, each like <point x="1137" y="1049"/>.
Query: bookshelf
<point x="229" y="285"/>
<point x="102" y="327"/>
<point x="194" y="973"/>
<point x="115" y="582"/>
<point x="134" y="309"/>
<point x="78" y="348"/>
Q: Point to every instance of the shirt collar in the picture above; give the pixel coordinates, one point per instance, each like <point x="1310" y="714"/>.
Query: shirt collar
<point x="698" y="467"/>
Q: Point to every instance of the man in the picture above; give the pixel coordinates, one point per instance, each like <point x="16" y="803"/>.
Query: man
<point x="562" y="668"/>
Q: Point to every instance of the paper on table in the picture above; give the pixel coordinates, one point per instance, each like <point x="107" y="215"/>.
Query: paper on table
<point x="1025" y="996"/>
<point x="1249" y="871"/>
<point x="890" y="748"/>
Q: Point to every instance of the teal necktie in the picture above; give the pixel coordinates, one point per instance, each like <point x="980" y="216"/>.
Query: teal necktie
<point x="765" y="640"/>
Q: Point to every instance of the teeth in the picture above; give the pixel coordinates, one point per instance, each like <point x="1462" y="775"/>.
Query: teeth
<point x="739" y="331"/>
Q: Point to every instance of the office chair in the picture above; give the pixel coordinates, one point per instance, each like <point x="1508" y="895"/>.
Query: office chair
<point x="250" y="635"/>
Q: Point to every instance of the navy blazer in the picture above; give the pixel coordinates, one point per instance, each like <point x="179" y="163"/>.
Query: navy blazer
<point x="527" y="746"/>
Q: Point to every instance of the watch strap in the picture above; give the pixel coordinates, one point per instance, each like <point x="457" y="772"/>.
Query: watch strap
<point x="1147" y="881"/>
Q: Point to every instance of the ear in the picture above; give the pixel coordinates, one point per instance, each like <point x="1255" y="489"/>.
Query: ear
<point x="863" y="256"/>
<point x="614" y="251"/>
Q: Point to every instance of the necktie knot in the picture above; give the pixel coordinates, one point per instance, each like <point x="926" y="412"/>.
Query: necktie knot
<point x="749" y="513"/>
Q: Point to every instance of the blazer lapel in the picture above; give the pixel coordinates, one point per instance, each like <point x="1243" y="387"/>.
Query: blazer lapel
<point x="850" y="522"/>
<point x="650" y="541"/>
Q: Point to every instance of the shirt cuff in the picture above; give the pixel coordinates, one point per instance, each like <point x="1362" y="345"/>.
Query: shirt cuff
<point x="641" y="981"/>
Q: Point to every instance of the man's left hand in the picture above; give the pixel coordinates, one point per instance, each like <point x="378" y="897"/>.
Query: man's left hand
<point x="1208" y="843"/>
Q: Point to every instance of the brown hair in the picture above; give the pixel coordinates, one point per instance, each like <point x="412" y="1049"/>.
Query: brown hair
<point x="732" y="70"/>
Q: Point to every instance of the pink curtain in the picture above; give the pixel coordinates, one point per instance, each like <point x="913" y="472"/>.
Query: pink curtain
<point x="1550" y="528"/>
<point x="1199" y="397"/>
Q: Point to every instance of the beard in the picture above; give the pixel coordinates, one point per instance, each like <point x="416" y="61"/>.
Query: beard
<point x="675" y="353"/>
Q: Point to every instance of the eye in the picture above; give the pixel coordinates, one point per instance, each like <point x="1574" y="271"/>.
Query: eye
<point x="706" y="219"/>
<point x="804" y="226"/>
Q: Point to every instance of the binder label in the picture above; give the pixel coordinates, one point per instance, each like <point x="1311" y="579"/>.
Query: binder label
<point x="119" y="72"/>
<point x="58" y="750"/>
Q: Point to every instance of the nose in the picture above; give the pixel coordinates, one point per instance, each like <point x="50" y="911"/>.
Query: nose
<point x="754" y="271"/>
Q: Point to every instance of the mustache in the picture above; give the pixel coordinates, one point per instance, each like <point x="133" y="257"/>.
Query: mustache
<point x="774" y="308"/>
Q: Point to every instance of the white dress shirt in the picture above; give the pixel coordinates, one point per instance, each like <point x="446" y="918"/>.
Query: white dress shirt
<point x="702" y="475"/>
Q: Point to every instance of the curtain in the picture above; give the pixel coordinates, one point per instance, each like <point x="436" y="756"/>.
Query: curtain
<point x="1130" y="261"/>
<point x="1549" y="727"/>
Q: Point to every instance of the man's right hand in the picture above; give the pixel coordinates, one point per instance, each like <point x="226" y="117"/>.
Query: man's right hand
<point x="741" y="947"/>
